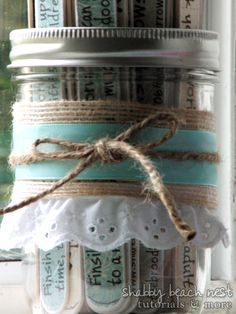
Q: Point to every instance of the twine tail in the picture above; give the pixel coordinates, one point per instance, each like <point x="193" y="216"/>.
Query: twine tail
<point x="83" y="164"/>
<point x="157" y="185"/>
<point x="108" y="151"/>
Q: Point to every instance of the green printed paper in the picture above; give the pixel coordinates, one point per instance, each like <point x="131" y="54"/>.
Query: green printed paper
<point x="150" y="13"/>
<point x="96" y="13"/>
<point x="54" y="278"/>
<point x="49" y="13"/>
<point x="105" y="275"/>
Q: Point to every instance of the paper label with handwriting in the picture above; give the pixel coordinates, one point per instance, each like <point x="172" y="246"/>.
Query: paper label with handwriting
<point x="111" y="86"/>
<point x="89" y="85"/>
<point x="96" y="13"/>
<point x="148" y="86"/>
<point x="195" y="96"/>
<point x="54" y="287"/>
<point x="45" y="91"/>
<point x="76" y="279"/>
<point x="134" y="263"/>
<point x="185" y="266"/>
<point x="105" y="275"/>
<point x="49" y="13"/>
<point x="148" y="13"/>
<point x="189" y="14"/>
<point x="186" y="274"/>
<point x="151" y="268"/>
<point x="152" y="278"/>
<point x="133" y="279"/>
<point x="100" y="83"/>
<point x="123" y="13"/>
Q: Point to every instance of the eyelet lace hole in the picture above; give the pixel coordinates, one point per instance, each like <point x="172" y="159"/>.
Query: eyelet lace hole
<point x="207" y="225"/>
<point x="101" y="220"/>
<point x="102" y="237"/>
<point x="112" y="229"/>
<point x="54" y="226"/>
<point x="92" y="229"/>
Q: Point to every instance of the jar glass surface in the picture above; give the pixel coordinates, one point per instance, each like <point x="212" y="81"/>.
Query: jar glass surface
<point x="179" y="88"/>
<point x="178" y="276"/>
<point x="147" y="67"/>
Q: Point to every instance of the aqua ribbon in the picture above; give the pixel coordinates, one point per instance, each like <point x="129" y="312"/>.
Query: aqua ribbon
<point x="172" y="171"/>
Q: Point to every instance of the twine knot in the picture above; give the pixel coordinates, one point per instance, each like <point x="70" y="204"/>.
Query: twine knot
<point x="103" y="152"/>
<point x="109" y="150"/>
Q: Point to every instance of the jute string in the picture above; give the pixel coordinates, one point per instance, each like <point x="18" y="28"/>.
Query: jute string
<point x="193" y="195"/>
<point x="109" y="150"/>
<point x="105" y="111"/>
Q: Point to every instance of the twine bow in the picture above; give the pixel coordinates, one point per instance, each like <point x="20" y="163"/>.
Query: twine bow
<point x="109" y="150"/>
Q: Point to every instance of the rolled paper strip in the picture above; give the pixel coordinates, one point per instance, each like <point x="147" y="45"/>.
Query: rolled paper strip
<point x="54" y="286"/>
<point x="113" y="280"/>
<point x="96" y="12"/>
<point x="189" y="14"/>
<point x="50" y="13"/>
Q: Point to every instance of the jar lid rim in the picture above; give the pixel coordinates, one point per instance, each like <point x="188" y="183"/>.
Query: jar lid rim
<point x="77" y="46"/>
<point x="113" y="32"/>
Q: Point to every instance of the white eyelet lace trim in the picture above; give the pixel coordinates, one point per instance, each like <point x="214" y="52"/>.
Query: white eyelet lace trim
<point x="104" y="223"/>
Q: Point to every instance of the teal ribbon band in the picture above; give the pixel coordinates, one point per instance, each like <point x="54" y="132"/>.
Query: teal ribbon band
<point x="172" y="171"/>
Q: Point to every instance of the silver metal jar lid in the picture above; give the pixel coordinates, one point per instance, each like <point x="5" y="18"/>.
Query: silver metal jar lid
<point x="72" y="47"/>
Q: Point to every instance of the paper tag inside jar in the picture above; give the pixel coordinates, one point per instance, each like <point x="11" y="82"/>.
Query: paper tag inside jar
<point x="186" y="274"/>
<point x="195" y="96"/>
<point x="134" y="263"/>
<point x="45" y="91"/>
<point x="185" y="266"/>
<point x="133" y="278"/>
<point x="98" y="13"/>
<point x="49" y="13"/>
<point x="123" y="13"/>
<point x="76" y="279"/>
<point x="151" y="277"/>
<point x="100" y="83"/>
<point x="105" y="276"/>
<point x="189" y="14"/>
<point x="97" y="83"/>
<point x="148" y="86"/>
<point x="150" y="13"/>
<point x="54" y="276"/>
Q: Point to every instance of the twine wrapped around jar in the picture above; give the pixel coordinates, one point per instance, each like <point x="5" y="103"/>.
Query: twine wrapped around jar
<point x="112" y="150"/>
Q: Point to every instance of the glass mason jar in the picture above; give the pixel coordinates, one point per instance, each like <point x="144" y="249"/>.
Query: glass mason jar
<point x="169" y="69"/>
<point x="12" y="16"/>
